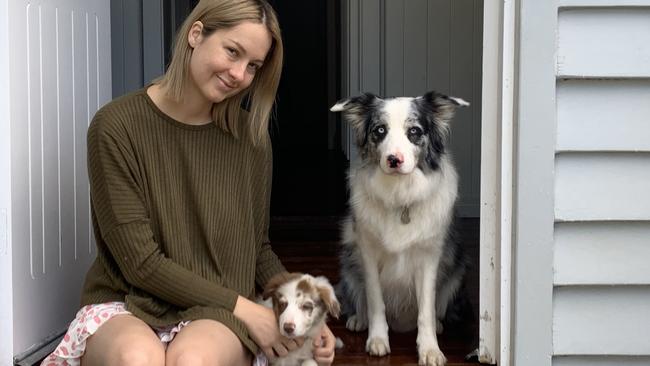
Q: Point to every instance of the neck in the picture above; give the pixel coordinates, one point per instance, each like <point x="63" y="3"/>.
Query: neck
<point x="194" y="109"/>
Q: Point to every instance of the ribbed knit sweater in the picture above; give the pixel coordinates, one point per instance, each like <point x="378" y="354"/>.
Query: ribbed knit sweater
<point x="180" y="215"/>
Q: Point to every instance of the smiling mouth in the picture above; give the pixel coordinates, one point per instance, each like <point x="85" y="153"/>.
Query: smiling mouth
<point x="226" y="84"/>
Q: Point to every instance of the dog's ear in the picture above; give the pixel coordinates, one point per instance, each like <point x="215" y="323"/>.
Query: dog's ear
<point x="277" y="281"/>
<point x="443" y="106"/>
<point x="357" y="111"/>
<point x="327" y="295"/>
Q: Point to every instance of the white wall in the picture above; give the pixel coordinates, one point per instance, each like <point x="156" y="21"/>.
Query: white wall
<point x="601" y="292"/>
<point x="59" y="75"/>
<point x="6" y="320"/>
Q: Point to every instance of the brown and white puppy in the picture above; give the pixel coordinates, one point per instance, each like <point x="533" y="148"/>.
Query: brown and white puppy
<point x="301" y="303"/>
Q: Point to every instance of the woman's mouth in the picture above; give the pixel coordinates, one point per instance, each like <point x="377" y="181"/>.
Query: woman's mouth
<point x="226" y="84"/>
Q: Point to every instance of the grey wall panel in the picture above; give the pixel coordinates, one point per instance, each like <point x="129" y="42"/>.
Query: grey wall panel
<point x="408" y="47"/>
<point x="395" y="48"/>
<point x="416" y="44"/>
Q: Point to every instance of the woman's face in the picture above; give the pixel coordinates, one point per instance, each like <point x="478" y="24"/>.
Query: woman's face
<point x="225" y="62"/>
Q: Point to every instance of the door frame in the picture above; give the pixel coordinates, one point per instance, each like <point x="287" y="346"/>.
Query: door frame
<point x="497" y="189"/>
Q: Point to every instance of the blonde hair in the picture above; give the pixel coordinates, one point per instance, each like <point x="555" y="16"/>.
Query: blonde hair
<point x="260" y="95"/>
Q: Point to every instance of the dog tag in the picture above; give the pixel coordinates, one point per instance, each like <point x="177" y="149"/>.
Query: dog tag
<point x="406" y="215"/>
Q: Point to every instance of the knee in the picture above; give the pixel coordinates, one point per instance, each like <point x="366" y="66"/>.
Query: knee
<point x="189" y="358"/>
<point x="130" y="355"/>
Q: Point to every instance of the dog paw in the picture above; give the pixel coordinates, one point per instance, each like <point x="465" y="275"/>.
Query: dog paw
<point x="355" y="324"/>
<point x="377" y="346"/>
<point x="432" y="357"/>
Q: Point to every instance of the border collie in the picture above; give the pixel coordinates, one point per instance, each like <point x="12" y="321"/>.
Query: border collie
<point x="399" y="266"/>
<point x="301" y="304"/>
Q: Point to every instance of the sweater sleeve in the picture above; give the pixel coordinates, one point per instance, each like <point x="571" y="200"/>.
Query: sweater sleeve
<point x="120" y="209"/>
<point x="268" y="264"/>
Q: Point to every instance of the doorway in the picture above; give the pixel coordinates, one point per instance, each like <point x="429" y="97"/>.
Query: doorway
<point x="308" y="163"/>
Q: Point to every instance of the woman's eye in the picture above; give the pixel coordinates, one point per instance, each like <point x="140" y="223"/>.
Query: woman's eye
<point x="231" y="51"/>
<point x="252" y="68"/>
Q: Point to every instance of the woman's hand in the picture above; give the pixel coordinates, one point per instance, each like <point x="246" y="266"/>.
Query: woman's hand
<point x="324" y="347"/>
<point x="263" y="328"/>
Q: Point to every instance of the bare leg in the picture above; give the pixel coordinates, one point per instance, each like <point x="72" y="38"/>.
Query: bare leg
<point x="207" y="342"/>
<point x="124" y="340"/>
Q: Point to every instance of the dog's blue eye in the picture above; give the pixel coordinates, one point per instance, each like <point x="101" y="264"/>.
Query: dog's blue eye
<point x="415" y="131"/>
<point x="380" y="130"/>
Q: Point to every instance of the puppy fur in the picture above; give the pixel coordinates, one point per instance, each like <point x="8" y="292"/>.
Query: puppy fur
<point x="400" y="267"/>
<point x="301" y="303"/>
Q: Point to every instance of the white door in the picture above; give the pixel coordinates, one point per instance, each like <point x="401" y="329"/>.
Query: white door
<point x="59" y="75"/>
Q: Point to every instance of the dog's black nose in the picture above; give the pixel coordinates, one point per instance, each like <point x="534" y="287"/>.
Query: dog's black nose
<point x="289" y="327"/>
<point x="394" y="161"/>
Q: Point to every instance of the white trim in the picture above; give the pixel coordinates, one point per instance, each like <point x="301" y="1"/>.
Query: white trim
<point x="489" y="227"/>
<point x="497" y="164"/>
<point x="507" y="159"/>
<point x="6" y="300"/>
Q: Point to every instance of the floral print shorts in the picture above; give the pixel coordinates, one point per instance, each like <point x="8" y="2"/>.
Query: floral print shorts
<point x="86" y="323"/>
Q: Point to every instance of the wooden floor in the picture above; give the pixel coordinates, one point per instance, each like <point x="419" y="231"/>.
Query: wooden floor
<point x="311" y="245"/>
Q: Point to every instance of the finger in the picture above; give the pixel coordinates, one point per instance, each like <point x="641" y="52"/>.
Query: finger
<point x="324" y="361"/>
<point x="299" y="341"/>
<point x="290" y="344"/>
<point x="280" y="350"/>
<point x="268" y="352"/>
<point x="324" y="353"/>
<point x="318" y="342"/>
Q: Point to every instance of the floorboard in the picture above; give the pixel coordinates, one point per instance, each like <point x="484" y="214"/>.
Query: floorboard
<point x="310" y="244"/>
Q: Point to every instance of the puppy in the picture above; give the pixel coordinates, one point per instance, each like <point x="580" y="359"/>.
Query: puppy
<point x="301" y="304"/>
<point x="399" y="266"/>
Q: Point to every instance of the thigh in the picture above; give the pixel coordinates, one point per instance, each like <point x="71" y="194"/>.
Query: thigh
<point x="207" y="342"/>
<point x="124" y="340"/>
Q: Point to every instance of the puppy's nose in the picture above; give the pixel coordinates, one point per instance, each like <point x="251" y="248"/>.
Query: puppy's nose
<point x="394" y="161"/>
<point x="289" y="327"/>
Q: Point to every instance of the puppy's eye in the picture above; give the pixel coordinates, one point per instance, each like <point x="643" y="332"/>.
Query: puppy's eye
<point x="380" y="130"/>
<point x="282" y="305"/>
<point x="415" y="131"/>
<point x="307" y="306"/>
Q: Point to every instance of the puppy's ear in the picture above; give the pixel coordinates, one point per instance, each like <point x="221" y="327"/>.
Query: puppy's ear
<point x="327" y="295"/>
<point x="358" y="111"/>
<point x="277" y="281"/>
<point x="443" y="106"/>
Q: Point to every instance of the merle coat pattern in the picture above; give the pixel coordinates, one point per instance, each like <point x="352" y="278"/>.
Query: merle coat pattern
<point x="400" y="267"/>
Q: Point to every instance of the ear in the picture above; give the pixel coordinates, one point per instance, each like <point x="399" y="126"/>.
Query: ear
<point x="356" y="111"/>
<point x="273" y="284"/>
<point x="444" y="107"/>
<point x="195" y="35"/>
<point x="326" y="293"/>
<point x="276" y="281"/>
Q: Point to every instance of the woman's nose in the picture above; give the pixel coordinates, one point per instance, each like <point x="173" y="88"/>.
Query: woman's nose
<point x="238" y="71"/>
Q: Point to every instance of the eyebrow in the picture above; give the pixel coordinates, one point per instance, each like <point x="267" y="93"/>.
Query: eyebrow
<point x="244" y="50"/>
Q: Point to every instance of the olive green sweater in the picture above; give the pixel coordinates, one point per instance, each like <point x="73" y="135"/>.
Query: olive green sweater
<point x="180" y="215"/>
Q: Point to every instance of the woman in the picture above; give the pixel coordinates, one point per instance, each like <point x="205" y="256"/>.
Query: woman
<point x="180" y="186"/>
